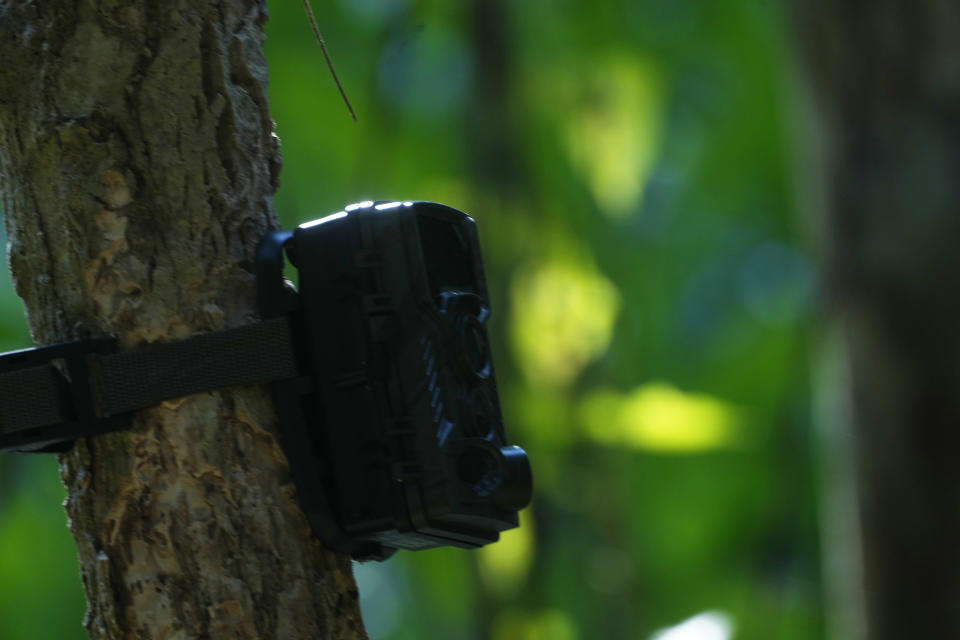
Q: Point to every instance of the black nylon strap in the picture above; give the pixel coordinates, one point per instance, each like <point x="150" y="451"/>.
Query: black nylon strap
<point x="31" y="397"/>
<point x="142" y="378"/>
<point x="35" y="394"/>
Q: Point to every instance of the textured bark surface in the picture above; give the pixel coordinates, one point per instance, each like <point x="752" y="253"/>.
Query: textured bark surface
<point x="138" y="161"/>
<point x="887" y="78"/>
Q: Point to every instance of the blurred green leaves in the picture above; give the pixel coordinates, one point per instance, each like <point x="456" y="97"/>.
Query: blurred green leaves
<point x="40" y="593"/>
<point x="552" y="624"/>
<point x="563" y="317"/>
<point x="504" y="566"/>
<point x="628" y="167"/>
<point x="613" y="125"/>
<point x="658" y="417"/>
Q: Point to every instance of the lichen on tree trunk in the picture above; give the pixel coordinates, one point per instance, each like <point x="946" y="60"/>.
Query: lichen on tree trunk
<point x="138" y="163"/>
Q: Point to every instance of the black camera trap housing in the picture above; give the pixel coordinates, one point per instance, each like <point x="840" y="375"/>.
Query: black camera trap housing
<point x="394" y="435"/>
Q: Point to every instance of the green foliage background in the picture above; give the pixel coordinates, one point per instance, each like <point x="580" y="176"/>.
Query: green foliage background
<point x="630" y="168"/>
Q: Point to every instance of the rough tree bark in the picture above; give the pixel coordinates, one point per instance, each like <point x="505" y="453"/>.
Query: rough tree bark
<point x="138" y="161"/>
<point x="887" y="79"/>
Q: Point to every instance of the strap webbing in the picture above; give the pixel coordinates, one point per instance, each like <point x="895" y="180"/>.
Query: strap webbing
<point x="39" y="396"/>
<point x="252" y="353"/>
<point x="31" y="397"/>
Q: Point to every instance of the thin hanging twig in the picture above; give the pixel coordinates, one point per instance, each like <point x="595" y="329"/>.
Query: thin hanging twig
<point x="323" y="48"/>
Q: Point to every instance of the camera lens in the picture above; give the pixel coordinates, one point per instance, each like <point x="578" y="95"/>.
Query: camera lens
<point x="478" y="468"/>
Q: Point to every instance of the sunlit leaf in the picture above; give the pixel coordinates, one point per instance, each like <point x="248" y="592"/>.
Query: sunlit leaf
<point x="658" y="417"/>
<point x="562" y="319"/>
<point x="504" y="566"/>
<point x="613" y="134"/>
<point x="547" y="625"/>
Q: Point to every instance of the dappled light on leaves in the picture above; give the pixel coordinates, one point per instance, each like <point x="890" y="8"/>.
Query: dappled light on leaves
<point x="504" y="566"/>
<point x="658" y="417"/>
<point x="547" y="625"/>
<point x="613" y="131"/>
<point x="562" y="319"/>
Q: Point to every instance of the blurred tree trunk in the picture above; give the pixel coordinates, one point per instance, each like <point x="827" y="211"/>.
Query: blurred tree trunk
<point x="886" y="77"/>
<point x="138" y="163"/>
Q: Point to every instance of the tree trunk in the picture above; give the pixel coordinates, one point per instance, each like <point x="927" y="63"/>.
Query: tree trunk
<point x="888" y="82"/>
<point x="138" y="163"/>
